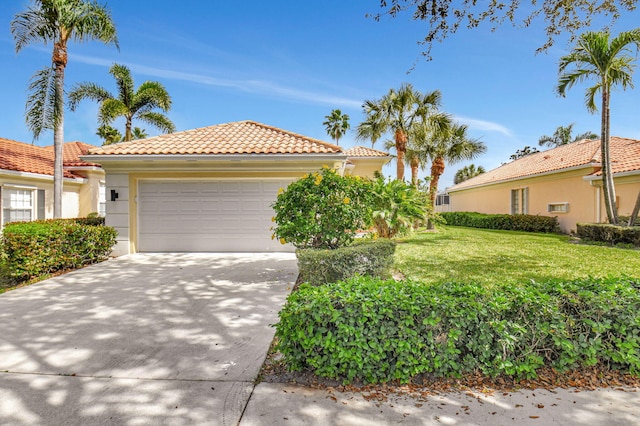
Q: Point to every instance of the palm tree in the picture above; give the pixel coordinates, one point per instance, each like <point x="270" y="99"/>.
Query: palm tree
<point x="607" y="61"/>
<point x="111" y="135"/>
<point x="336" y="125"/>
<point x="562" y="136"/>
<point x="467" y="172"/>
<point x="57" y="21"/>
<point x="527" y="150"/>
<point x="129" y="104"/>
<point x="451" y="144"/>
<point x="396" y="112"/>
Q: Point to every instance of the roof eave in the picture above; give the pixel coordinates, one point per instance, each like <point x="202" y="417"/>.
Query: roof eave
<point x="552" y="172"/>
<point x="591" y="178"/>
<point x="42" y="176"/>
<point x="101" y="158"/>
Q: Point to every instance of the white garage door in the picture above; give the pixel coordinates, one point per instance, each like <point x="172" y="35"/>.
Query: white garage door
<point x="207" y="215"/>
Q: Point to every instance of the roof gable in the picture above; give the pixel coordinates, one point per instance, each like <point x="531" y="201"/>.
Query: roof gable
<point x="625" y="156"/>
<point x="236" y="138"/>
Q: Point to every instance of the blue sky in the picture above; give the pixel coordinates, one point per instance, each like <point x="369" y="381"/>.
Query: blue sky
<point x="288" y="63"/>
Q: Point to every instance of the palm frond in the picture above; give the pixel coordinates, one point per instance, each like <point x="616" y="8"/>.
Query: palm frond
<point x="157" y="120"/>
<point x="150" y="95"/>
<point x="91" y="91"/>
<point x="110" y="109"/>
<point x="41" y="110"/>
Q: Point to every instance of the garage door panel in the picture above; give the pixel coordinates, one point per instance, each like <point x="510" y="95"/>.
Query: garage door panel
<point x="207" y="215"/>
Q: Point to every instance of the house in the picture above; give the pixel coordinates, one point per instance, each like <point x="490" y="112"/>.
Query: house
<point x="565" y="182"/>
<point x="26" y="182"/>
<point x="365" y="162"/>
<point x="211" y="188"/>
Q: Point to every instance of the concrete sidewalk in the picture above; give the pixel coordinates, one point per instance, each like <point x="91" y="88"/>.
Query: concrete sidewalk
<point x="278" y="404"/>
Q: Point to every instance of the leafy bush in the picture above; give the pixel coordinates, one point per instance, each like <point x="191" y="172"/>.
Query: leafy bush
<point x="397" y="207"/>
<point x="610" y="234"/>
<point x="35" y="248"/>
<point x="322" y="210"/>
<point x="509" y="222"/>
<point x="372" y="258"/>
<point x="377" y="331"/>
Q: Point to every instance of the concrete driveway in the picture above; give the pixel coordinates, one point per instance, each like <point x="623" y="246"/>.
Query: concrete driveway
<point x="142" y="339"/>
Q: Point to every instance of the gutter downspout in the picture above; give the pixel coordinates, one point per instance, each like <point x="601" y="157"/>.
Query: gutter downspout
<point x="598" y="205"/>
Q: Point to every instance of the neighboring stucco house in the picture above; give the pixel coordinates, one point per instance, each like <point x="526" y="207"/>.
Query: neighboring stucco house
<point x="211" y="189"/>
<point x="565" y="182"/>
<point x="26" y="182"/>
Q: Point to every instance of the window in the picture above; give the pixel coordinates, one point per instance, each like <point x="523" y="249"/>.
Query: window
<point x="558" y="208"/>
<point x="520" y="201"/>
<point x="17" y="205"/>
<point x="442" y="199"/>
<point x="102" y="200"/>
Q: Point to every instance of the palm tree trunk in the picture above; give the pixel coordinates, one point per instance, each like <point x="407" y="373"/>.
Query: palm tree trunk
<point x="401" y="149"/>
<point x="437" y="169"/>
<point x="60" y="62"/>
<point x="607" y="178"/>
<point x="127" y="130"/>
<point x="636" y="210"/>
<point x="415" y="165"/>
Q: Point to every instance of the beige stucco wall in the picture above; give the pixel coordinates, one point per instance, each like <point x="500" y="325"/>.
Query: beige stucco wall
<point x="70" y="196"/>
<point x="627" y="188"/>
<point x="567" y="187"/>
<point x="90" y="191"/>
<point x="367" y="167"/>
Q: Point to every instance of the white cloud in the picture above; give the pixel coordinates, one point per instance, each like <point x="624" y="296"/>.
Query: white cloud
<point x="251" y="86"/>
<point x="488" y="126"/>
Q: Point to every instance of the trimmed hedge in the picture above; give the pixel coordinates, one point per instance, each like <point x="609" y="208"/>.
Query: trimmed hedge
<point x="35" y="248"/>
<point x="509" y="222"/>
<point x="378" y="331"/>
<point x="610" y="234"/>
<point x="372" y="258"/>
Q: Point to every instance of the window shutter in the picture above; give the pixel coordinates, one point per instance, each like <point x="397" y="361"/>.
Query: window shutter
<point x="41" y="206"/>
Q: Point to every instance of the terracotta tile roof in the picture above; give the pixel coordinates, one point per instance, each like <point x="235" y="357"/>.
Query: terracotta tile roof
<point x="72" y="153"/>
<point x="363" y="151"/>
<point x="241" y="137"/>
<point x="23" y="157"/>
<point x="625" y="155"/>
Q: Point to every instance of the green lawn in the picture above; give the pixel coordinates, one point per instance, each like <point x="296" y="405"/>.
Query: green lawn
<point x="504" y="257"/>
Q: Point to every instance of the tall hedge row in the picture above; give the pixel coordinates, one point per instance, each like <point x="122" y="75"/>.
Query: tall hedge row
<point x="610" y="234"/>
<point x="378" y="331"/>
<point x="31" y="249"/>
<point x="508" y="222"/>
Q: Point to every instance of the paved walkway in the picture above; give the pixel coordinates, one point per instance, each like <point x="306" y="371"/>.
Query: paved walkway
<point x="142" y="339"/>
<point x="278" y="404"/>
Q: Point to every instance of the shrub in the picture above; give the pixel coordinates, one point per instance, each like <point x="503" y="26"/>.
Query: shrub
<point x="35" y="248"/>
<point x="377" y="331"/>
<point x="322" y="210"/>
<point x="372" y="258"/>
<point x="515" y="222"/>
<point x="397" y="207"/>
<point x="610" y="234"/>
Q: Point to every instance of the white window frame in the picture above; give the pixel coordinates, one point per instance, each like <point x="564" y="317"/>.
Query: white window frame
<point x="519" y="200"/>
<point x="102" y="199"/>
<point x="562" y="207"/>
<point x="7" y="190"/>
